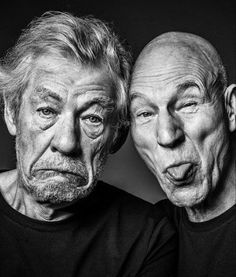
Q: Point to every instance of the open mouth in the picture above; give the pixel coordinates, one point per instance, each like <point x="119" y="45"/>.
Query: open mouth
<point x="181" y="174"/>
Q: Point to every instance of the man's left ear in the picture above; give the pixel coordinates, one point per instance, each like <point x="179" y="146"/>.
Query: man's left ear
<point x="9" y="119"/>
<point x="230" y="104"/>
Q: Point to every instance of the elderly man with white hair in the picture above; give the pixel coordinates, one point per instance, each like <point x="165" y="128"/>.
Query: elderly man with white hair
<point x="64" y="86"/>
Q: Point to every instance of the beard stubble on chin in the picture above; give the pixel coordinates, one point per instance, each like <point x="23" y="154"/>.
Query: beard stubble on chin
<point x="43" y="183"/>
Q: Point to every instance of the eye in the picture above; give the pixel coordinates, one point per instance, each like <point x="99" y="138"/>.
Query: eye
<point x="144" y="114"/>
<point x="93" y="119"/>
<point x="46" y="112"/>
<point x="188" y="107"/>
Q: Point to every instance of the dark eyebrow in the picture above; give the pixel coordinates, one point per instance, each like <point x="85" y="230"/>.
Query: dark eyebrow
<point x="45" y="93"/>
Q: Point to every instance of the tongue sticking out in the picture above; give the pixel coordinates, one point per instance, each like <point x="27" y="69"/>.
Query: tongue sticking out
<point x="179" y="172"/>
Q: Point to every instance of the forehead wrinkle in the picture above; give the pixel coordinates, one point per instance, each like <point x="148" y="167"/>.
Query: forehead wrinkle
<point x="165" y="74"/>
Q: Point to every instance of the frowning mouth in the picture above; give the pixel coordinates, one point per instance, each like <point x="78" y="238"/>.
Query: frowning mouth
<point x="181" y="174"/>
<point x="44" y="173"/>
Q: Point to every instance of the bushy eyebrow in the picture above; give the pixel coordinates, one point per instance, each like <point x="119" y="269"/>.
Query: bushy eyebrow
<point x="45" y="93"/>
<point x="105" y="102"/>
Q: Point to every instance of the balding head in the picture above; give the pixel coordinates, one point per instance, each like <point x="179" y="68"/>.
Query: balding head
<point x="184" y="48"/>
<point x="180" y="123"/>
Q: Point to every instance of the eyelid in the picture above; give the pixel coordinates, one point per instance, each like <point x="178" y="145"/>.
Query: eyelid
<point x="50" y="109"/>
<point x="87" y="118"/>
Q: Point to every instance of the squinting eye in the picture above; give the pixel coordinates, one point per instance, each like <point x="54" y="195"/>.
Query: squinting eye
<point x="188" y="107"/>
<point x="144" y="114"/>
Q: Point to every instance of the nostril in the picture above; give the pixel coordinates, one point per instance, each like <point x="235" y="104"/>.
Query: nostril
<point x="169" y="134"/>
<point x="65" y="139"/>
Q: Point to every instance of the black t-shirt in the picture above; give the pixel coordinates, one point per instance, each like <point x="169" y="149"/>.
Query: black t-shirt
<point x="206" y="249"/>
<point x="112" y="233"/>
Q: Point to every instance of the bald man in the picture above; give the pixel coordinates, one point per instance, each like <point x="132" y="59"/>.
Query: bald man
<point x="183" y="117"/>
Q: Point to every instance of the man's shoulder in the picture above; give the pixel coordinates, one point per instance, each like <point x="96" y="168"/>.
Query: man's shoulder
<point x="121" y="195"/>
<point x="171" y="211"/>
<point x="136" y="214"/>
<point x="129" y="204"/>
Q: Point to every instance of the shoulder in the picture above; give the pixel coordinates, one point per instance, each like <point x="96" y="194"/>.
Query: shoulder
<point x="133" y="211"/>
<point x="170" y="210"/>
<point x="123" y="199"/>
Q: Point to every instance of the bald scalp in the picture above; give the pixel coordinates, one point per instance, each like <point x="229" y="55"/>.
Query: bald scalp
<point x="186" y="45"/>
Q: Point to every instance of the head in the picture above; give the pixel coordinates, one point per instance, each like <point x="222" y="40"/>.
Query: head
<point x="183" y="115"/>
<point x="64" y="86"/>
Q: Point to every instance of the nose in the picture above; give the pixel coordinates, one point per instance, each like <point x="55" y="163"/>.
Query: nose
<point x="66" y="137"/>
<point x="169" y="130"/>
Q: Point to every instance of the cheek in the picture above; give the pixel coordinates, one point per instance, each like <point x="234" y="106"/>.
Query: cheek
<point x="31" y="143"/>
<point x="146" y="144"/>
<point x="93" y="148"/>
<point x="143" y="137"/>
<point x="210" y="141"/>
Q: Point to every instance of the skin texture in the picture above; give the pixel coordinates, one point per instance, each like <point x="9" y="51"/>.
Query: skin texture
<point x="63" y="134"/>
<point x="180" y="127"/>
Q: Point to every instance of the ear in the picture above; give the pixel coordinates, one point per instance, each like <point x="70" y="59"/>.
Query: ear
<point x="230" y="105"/>
<point x="9" y="119"/>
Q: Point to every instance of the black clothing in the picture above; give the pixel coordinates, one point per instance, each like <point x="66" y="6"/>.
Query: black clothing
<point x="111" y="233"/>
<point x="206" y="249"/>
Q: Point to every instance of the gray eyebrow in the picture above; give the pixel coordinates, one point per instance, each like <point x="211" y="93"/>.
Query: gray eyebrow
<point x="104" y="102"/>
<point x="188" y="84"/>
<point x="45" y="93"/>
<point x="137" y="95"/>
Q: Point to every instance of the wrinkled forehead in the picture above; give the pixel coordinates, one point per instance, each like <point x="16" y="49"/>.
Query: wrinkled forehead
<point x="171" y="64"/>
<point x="173" y="59"/>
<point x="69" y="71"/>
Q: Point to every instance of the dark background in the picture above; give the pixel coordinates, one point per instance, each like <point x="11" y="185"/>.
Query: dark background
<point x="136" y="22"/>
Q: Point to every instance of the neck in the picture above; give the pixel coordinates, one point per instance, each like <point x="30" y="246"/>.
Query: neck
<point x="19" y="199"/>
<point x="219" y="201"/>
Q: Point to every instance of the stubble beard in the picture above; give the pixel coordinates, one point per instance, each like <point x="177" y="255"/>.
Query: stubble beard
<point x="45" y="187"/>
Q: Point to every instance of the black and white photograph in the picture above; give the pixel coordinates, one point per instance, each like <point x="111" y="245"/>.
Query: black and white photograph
<point x="118" y="138"/>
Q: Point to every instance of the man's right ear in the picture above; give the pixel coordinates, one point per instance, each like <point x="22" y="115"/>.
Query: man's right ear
<point x="230" y="104"/>
<point x="9" y="119"/>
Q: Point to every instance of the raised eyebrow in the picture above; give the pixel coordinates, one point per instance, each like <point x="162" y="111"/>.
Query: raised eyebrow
<point x="136" y="95"/>
<point x="104" y="102"/>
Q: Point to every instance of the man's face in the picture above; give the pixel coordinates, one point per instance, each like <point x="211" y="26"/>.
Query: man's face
<point x="178" y="130"/>
<point x="63" y="129"/>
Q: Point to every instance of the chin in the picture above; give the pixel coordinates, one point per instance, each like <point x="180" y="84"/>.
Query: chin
<point x="59" y="192"/>
<point x="189" y="196"/>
